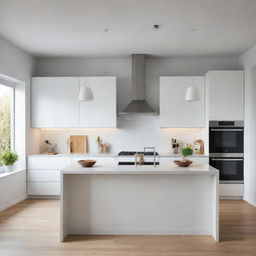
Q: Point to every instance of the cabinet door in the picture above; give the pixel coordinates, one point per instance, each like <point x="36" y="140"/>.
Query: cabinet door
<point x="175" y="111"/>
<point x="42" y="102"/>
<point x="226" y="95"/>
<point x="47" y="162"/>
<point x="43" y="188"/>
<point x="65" y="101"/>
<point x="101" y="111"/>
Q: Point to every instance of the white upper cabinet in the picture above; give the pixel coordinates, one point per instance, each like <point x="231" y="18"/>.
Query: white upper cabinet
<point x="101" y="111"/>
<point x="65" y="101"/>
<point x="226" y="95"/>
<point x="55" y="102"/>
<point x="175" y="111"/>
<point x="42" y="102"/>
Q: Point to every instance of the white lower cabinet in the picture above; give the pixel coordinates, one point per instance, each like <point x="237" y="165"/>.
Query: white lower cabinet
<point x="231" y="190"/>
<point x="42" y="188"/>
<point x="43" y="174"/>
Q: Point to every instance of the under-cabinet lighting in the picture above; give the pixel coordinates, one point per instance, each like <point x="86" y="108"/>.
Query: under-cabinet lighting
<point x="78" y="129"/>
<point x="181" y="129"/>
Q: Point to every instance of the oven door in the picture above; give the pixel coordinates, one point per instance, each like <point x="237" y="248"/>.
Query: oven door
<point x="231" y="169"/>
<point x="226" y="140"/>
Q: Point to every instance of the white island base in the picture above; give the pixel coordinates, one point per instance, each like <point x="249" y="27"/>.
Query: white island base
<point x="147" y="200"/>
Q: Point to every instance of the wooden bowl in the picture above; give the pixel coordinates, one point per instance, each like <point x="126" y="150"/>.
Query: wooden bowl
<point x="87" y="163"/>
<point x="183" y="163"/>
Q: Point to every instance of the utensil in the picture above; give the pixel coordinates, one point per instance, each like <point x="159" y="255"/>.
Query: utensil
<point x="87" y="163"/>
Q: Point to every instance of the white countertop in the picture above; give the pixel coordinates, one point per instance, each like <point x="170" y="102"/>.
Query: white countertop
<point x="76" y="155"/>
<point x="144" y="169"/>
<point x="179" y="155"/>
<point x="106" y="155"/>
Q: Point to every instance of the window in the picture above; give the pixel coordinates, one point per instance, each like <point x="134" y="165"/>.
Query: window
<point x="6" y="118"/>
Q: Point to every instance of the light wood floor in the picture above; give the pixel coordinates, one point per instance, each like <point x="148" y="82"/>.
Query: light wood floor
<point x="32" y="228"/>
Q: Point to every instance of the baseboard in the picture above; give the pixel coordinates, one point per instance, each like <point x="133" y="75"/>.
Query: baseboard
<point x="183" y="232"/>
<point x="42" y="197"/>
<point x="16" y="201"/>
<point x="251" y="202"/>
<point x="231" y="198"/>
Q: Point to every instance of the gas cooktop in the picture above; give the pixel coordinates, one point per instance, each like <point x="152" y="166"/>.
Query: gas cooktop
<point x="132" y="153"/>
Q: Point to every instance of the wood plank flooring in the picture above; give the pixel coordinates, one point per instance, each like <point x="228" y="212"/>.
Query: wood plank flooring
<point x="31" y="228"/>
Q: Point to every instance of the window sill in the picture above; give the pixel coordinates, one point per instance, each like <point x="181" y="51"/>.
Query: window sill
<point x="6" y="174"/>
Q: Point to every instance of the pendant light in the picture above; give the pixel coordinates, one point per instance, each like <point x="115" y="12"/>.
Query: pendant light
<point x="85" y="94"/>
<point x="191" y="93"/>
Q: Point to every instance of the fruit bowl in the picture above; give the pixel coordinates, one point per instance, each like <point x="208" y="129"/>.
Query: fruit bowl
<point x="87" y="163"/>
<point x="183" y="163"/>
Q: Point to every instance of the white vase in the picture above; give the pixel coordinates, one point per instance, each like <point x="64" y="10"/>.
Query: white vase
<point x="8" y="168"/>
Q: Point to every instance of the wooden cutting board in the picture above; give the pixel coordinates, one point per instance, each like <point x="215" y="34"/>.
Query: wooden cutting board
<point x="78" y="144"/>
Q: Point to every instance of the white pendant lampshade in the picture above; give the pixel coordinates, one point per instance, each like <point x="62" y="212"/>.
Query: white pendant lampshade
<point x="191" y="94"/>
<point x="85" y="94"/>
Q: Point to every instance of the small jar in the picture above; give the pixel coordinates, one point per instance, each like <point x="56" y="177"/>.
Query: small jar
<point x="141" y="159"/>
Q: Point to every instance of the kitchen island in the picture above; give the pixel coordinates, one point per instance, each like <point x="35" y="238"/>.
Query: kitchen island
<point x="143" y="200"/>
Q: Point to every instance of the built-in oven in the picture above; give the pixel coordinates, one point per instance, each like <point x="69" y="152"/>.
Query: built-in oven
<point x="226" y="137"/>
<point x="226" y="148"/>
<point x="231" y="168"/>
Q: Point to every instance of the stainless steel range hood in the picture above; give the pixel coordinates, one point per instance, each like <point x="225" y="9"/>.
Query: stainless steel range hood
<point x="138" y="105"/>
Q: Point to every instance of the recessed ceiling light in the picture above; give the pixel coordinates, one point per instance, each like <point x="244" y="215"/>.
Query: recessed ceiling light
<point x="156" y="26"/>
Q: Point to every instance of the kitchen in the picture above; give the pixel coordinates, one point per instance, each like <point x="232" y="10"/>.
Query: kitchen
<point x="134" y="113"/>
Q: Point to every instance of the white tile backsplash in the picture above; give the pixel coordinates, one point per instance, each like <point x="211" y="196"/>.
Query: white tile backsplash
<point x="134" y="132"/>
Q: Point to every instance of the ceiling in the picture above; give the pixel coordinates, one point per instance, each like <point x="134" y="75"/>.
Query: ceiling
<point x="106" y="28"/>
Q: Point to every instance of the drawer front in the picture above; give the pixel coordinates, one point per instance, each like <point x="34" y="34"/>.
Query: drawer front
<point x="43" y="175"/>
<point x="43" y="188"/>
<point x="42" y="163"/>
<point x="231" y="189"/>
<point x="100" y="160"/>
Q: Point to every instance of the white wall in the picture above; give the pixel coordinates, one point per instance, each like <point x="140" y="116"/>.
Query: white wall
<point x="12" y="189"/>
<point x="248" y="60"/>
<point x="133" y="132"/>
<point x="14" y="63"/>
<point x="18" y="64"/>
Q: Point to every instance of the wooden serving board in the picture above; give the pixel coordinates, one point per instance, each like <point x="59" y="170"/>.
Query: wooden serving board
<point x="78" y="144"/>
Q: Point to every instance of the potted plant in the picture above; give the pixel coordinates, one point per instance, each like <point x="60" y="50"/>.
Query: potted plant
<point x="8" y="159"/>
<point x="186" y="151"/>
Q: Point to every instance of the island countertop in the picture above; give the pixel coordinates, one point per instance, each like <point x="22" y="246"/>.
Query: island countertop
<point x="195" y="168"/>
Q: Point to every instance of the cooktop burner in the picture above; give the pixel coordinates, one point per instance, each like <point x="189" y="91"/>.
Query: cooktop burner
<point x="132" y="153"/>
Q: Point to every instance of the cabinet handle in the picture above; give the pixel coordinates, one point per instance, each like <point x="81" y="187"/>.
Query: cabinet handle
<point x="227" y="159"/>
<point x="227" y="130"/>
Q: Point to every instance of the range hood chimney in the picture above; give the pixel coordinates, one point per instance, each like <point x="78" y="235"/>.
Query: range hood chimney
<point x="138" y="105"/>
